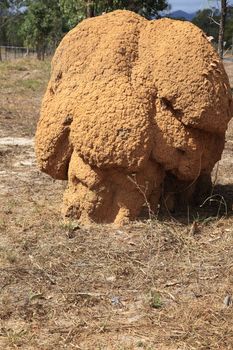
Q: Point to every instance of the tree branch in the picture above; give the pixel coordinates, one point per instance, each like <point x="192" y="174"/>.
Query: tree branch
<point x="213" y="20"/>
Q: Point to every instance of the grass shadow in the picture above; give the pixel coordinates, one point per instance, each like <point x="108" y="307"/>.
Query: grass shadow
<point x="219" y="204"/>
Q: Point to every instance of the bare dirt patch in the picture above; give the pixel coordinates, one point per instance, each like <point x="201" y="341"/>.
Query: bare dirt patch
<point x="158" y="284"/>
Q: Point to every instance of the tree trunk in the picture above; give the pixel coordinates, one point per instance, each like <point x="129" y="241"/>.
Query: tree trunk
<point x="90" y="9"/>
<point x="222" y="27"/>
<point x="43" y="54"/>
<point x="39" y="52"/>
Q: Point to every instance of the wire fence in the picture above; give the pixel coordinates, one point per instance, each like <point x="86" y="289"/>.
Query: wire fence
<point x="13" y="52"/>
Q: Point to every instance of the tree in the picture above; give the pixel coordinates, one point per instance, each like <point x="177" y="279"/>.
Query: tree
<point x="3" y="16"/>
<point x="76" y="10"/>
<point x="73" y="11"/>
<point x="205" y="19"/>
<point x="216" y="22"/>
<point x="148" y="9"/>
<point x="222" y="25"/>
<point x="42" y="26"/>
<point x="228" y="35"/>
<point x="13" y="26"/>
<point x="9" y="20"/>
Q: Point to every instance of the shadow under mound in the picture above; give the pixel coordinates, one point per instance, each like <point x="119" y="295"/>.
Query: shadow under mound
<point x="218" y="204"/>
<point x="226" y="191"/>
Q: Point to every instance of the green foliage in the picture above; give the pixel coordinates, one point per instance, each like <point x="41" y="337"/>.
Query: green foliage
<point x="203" y="20"/>
<point x="76" y="10"/>
<point x="42" y="25"/>
<point x="11" y="19"/>
<point x="207" y="20"/>
<point x="73" y="12"/>
<point x="13" y="28"/>
<point x="148" y="9"/>
<point x="229" y="28"/>
<point x="3" y="19"/>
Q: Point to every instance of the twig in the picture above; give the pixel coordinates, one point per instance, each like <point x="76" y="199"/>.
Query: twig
<point x="222" y="201"/>
<point x="143" y="192"/>
<point x="213" y="20"/>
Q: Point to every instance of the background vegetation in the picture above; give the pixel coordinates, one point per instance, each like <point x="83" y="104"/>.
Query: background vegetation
<point x="40" y="24"/>
<point x="208" y="20"/>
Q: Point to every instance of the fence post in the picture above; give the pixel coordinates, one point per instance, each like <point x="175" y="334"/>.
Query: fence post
<point x="0" y="54"/>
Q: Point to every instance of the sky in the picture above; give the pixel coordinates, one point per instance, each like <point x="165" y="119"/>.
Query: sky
<point x="190" y="5"/>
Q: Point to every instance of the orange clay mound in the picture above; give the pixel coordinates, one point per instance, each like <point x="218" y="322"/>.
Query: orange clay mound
<point x="131" y="105"/>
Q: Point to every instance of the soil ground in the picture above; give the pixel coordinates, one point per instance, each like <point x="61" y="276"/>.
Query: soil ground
<point x="161" y="284"/>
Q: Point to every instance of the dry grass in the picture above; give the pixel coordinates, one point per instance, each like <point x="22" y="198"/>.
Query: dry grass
<point x="22" y="85"/>
<point x="156" y="284"/>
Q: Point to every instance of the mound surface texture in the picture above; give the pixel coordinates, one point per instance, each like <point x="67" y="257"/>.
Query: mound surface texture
<point x="131" y="105"/>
